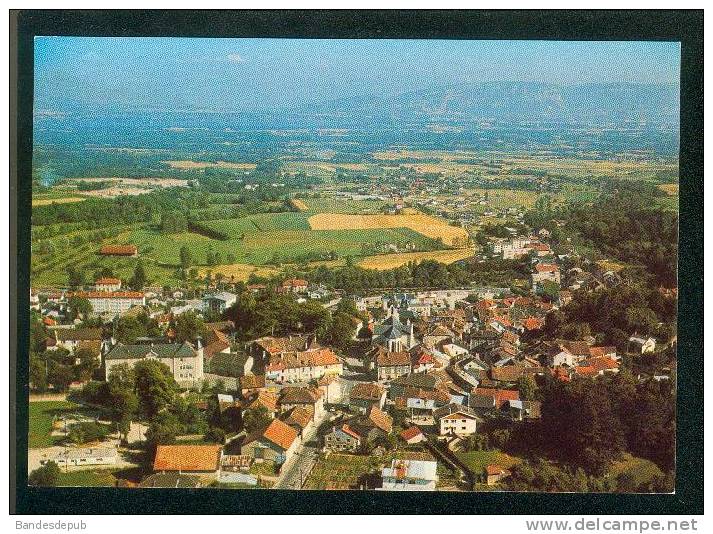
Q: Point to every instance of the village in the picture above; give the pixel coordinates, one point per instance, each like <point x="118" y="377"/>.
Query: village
<point x="411" y="392"/>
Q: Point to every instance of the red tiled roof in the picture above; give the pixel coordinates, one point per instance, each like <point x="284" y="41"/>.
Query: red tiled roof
<point x="533" y="323"/>
<point x="119" y="250"/>
<point x="603" y="363"/>
<point x="187" y="458"/>
<point x="308" y="358"/>
<point x="294" y="282"/>
<point x="546" y="268"/>
<point x="501" y="396"/>
<point x="252" y="381"/>
<point x="494" y="470"/>
<point x="411" y="433"/>
<point x="281" y="434"/>
<point x="585" y="370"/>
<point x="268" y="399"/>
<point x="388" y="359"/>
<point x="107" y="294"/>
<point x="598" y="352"/>
<point x="366" y="391"/>
<point x="107" y="281"/>
<point x="380" y="419"/>
<point x="348" y="430"/>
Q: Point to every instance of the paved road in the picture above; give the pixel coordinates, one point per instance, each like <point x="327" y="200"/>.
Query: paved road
<point x="298" y="468"/>
<point x="296" y="472"/>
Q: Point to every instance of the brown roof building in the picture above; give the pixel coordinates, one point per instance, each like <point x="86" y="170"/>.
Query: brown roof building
<point x="188" y="458"/>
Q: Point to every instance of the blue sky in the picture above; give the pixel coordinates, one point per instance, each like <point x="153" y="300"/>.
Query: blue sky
<point x="254" y="74"/>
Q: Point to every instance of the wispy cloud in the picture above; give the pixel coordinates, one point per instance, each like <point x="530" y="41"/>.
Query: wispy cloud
<point x="236" y="58"/>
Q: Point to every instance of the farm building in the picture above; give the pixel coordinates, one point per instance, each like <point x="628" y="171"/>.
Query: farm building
<point x="119" y="250"/>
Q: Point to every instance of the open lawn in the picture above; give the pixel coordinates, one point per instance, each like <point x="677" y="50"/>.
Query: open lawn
<point x="477" y="461"/>
<point x="384" y="262"/>
<point x="427" y="225"/>
<point x="42" y="414"/>
<point x="88" y="478"/>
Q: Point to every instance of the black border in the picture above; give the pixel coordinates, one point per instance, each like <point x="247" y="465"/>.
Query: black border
<point x="669" y="25"/>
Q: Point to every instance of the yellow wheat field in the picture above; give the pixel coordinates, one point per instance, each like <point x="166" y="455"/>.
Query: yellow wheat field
<point x="416" y="221"/>
<point x="669" y="189"/>
<point x="238" y="272"/>
<point x="299" y="204"/>
<point x="392" y="261"/>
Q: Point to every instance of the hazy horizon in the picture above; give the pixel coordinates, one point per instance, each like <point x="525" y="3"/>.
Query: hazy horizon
<point x="250" y="75"/>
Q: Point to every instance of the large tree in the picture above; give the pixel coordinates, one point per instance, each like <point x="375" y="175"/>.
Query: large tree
<point x="256" y="418"/>
<point x="45" y="476"/>
<point x="139" y="280"/>
<point x="188" y="326"/>
<point x="155" y="386"/>
<point x="580" y="425"/>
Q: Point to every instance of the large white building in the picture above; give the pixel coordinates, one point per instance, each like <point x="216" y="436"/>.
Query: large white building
<point x="80" y="457"/>
<point x="111" y="302"/>
<point x="184" y="361"/>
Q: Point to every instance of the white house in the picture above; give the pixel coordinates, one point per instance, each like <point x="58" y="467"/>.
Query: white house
<point x="644" y="345"/>
<point x="455" y="419"/>
<point x="409" y="475"/>
<point x="218" y="302"/>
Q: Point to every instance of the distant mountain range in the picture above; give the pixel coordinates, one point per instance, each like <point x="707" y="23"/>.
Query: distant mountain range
<point x="517" y="102"/>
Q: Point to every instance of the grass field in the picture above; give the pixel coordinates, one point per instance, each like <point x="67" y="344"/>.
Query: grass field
<point x="261" y="222"/>
<point x="88" y="478"/>
<point x="239" y="272"/>
<point x="338" y="471"/>
<point x="55" y="200"/>
<point x="392" y="261"/>
<point x="259" y="248"/>
<point x="41" y="415"/>
<point x="477" y="461"/>
<point x="419" y="222"/>
<point x="642" y="471"/>
<point x="343" y="205"/>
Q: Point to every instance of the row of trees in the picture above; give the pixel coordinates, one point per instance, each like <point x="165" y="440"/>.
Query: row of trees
<point x="427" y="273"/>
